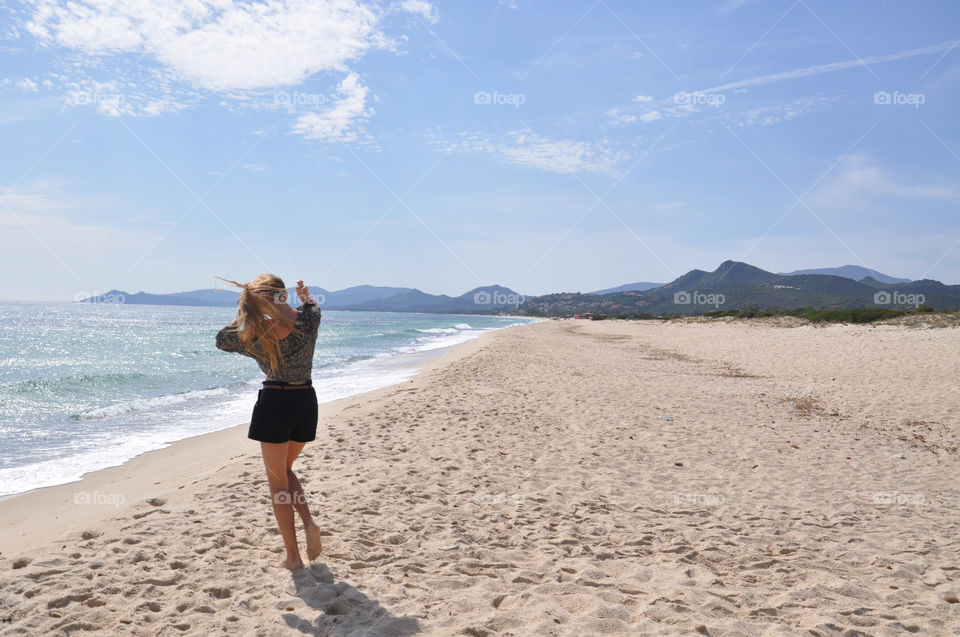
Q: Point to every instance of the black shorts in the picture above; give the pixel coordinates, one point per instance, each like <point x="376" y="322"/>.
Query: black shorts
<point x="282" y="415"/>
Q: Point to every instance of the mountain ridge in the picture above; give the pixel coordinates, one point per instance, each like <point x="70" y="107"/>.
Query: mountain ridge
<point x="732" y="285"/>
<point x="483" y="299"/>
<point x="855" y="272"/>
<point x="738" y="285"/>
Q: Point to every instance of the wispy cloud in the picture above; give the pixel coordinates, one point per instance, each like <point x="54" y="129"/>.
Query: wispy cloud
<point x="27" y="85"/>
<point x="617" y="116"/>
<point x="732" y="5"/>
<point x="862" y="184"/>
<point x="674" y="106"/>
<point x="340" y="122"/>
<point x="422" y="8"/>
<point x="820" y="69"/>
<point x="38" y="222"/>
<point x="670" y="104"/>
<point x="529" y="150"/>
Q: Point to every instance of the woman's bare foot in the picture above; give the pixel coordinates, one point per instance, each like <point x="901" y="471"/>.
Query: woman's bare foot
<point x="314" y="545"/>
<point x="288" y="564"/>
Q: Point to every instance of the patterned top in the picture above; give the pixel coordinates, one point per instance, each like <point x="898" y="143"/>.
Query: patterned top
<point x="296" y="350"/>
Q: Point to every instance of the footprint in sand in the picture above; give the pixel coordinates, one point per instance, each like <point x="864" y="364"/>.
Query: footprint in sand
<point x="218" y="592"/>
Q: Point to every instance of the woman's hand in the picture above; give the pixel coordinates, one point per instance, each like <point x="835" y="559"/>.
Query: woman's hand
<point x="303" y="292"/>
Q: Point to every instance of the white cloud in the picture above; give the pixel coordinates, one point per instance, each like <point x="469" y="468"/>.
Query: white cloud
<point x="650" y="116"/>
<point x="214" y="44"/>
<point x="27" y="85"/>
<point x="340" y="122"/>
<point x="643" y="98"/>
<point x="624" y="118"/>
<point x="149" y="57"/>
<point x="529" y="150"/>
<point x="422" y="8"/>
<point x="776" y="113"/>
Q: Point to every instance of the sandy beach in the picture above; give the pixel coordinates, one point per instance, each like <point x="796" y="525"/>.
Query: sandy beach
<point x="559" y="478"/>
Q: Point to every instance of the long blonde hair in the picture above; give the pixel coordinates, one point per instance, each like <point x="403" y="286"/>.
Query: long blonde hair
<point x="257" y="315"/>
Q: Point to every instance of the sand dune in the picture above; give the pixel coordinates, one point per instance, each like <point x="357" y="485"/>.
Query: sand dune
<point x="563" y="478"/>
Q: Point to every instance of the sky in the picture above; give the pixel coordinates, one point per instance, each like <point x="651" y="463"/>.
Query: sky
<point x="544" y="145"/>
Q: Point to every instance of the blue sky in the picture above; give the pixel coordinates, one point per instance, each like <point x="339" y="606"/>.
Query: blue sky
<point x="545" y="146"/>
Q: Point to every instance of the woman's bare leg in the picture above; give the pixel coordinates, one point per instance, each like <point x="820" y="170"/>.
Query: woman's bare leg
<point x="275" y="461"/>
<point x="314" y="545"/>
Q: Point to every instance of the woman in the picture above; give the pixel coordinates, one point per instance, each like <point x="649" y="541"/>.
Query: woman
<point x="284" y="419"/>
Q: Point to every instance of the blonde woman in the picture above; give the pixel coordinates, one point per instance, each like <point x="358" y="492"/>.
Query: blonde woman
<point x="284" y="418"/>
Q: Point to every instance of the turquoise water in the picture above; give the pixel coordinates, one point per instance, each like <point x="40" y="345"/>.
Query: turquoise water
<point x="88" y="386"/>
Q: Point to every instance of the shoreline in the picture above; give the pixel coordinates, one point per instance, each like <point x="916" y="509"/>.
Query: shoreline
<point x="110" y="491"/>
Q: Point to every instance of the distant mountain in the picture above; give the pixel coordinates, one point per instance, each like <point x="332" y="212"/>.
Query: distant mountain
<point x="640" y="286"/>
<point x="203" y="298"/>
<point x="481" y="300"/>
<point x="228" y="297"/>
<point x="355" y="295"/>
<point x="855" y="272"/>
<point x="733" y="285"/>
<point x="728" y="274"/>
<point x="484" y="299"/>
<point x="737" y="285"/>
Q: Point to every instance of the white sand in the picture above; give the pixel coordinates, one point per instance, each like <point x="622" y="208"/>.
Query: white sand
<point x="530" y="485"/>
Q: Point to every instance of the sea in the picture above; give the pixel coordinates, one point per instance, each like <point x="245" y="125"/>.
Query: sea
<point x="89" y="386"/>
